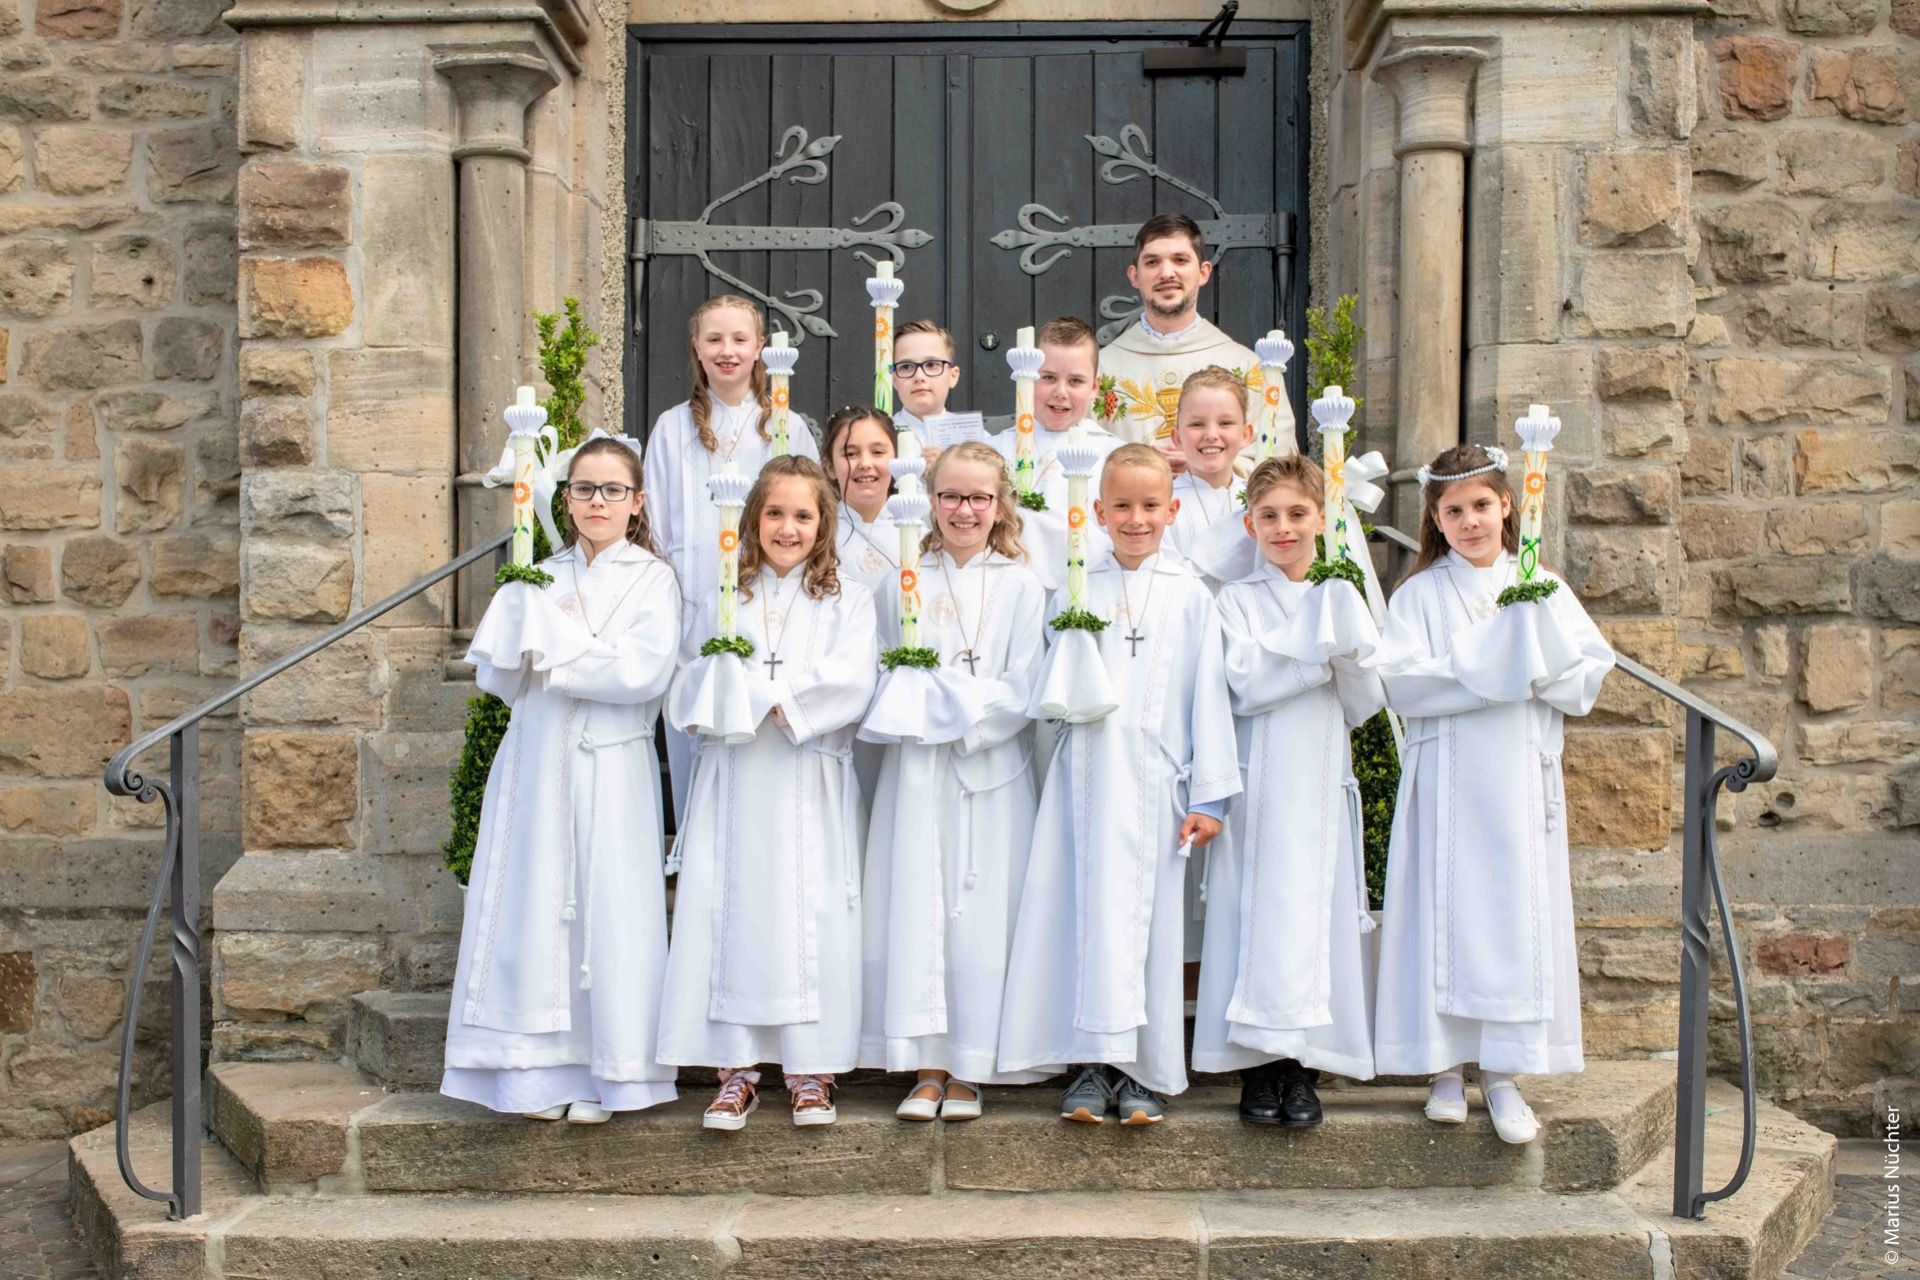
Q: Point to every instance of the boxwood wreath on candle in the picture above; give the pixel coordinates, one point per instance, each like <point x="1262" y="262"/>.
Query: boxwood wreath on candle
<point x="564" y="343"/>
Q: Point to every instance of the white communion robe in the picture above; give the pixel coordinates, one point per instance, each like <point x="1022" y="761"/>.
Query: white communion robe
<point x="1096" y="973"/>
<point x="870" y="556"/>
<point x="1201" y="507"/>
<point x="1477" y="958"/>
<point x="556" y="994"/>
<point x="1288" y="969"/>
<point x="686" y="524"/>
<point x="765" y="960"/>
<point x="947" y="850"/>
<point x="1044" y="533"/>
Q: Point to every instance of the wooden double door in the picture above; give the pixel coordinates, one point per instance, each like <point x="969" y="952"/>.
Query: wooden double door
<point x="1004" y="168"/>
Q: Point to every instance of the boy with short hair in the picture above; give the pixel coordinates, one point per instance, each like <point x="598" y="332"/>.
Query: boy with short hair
<point x="1095" y="975"/>
<point x="1062" y="400"/>
<point x="1211" y="429"/>
<point x="925" y="373"/>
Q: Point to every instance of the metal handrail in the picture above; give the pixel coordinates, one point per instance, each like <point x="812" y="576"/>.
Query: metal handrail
<point x="1700" y="872"/>
<point x="180" y="872"/>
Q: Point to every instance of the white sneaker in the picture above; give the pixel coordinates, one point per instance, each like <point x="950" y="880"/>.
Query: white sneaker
<point x="588" y="1113"/>
<point x="1447" y="1098"/>
<point x="551" y="1113"/>
<point x="1513" y="1119"/>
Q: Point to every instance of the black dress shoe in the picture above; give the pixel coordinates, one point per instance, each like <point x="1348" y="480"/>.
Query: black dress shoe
<point x="1299" y="1103"/>
<point x="1259" y="1095"/>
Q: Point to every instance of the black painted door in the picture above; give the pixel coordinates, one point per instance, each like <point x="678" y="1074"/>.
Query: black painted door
<point x="933" y="144"/>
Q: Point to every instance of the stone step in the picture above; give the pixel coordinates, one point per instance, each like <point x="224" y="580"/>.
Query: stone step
<point x="300" y="1125"/>
<point x="1504" y="1231"/>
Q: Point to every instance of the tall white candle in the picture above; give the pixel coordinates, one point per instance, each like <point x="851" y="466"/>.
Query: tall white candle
<point x="884" y="292"/>
<point x="1273" y="352"/>
<point x="1024" y="359"/>
<point x="1333" y="411"/>
<point x="909" y="509"/>
<point x="1537" y="431"/>
<point x="780" y="356"/>
<point x="728" y="489"/>
<point x="524" y="420"/>
<point x="1079" y="472"/>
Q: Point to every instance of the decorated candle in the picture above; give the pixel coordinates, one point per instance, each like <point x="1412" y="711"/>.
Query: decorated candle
<point x="1537" y="431"/>
<point x="780" y="357"/>
<point x="1078" y="459"/>
<point x="1024" y="359"/>
<point x="524" y="420"/>
<point x="884" y="292"/>
<point x="909" y="509"/>
<point x="1273" y="351"/>
<point x="728" y="489"/>
<point x="1333" y="411"/>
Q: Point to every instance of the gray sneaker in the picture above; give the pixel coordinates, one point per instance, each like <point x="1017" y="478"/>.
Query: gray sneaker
<point x="1089" y="1096"/>
<point x="1137" y="1103"/>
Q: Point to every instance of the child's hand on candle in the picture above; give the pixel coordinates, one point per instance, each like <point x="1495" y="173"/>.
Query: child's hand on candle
<point x="930" y="453"/>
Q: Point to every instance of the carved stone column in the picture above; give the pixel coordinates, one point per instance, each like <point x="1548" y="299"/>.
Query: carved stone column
<point x="494" y="86"/>
<point x="1433" y="85"/>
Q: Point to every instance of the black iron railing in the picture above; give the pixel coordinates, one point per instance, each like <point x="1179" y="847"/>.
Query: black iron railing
<point x="1699" y="873"/>
<point x="179" y="882"/>
<point x="179" y="879"/>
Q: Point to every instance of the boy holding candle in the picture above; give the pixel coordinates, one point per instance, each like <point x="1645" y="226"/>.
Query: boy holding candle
<point x="1063" y="397"/>
<point x="1096" y="974"/>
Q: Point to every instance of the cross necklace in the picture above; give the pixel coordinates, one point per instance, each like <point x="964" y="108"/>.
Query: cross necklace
<point x="773" y="658"/>
<point x="1200" y="497"/>
<point x="1134" y="637"/>
<point x="967" y="655"/>
<point x="588" y="618"/>
<point x="854" y="523"/>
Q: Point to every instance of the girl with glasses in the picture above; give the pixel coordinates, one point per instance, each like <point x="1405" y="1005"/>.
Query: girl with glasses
<point x="947" y="847"/>
<point x="564" y="944"/>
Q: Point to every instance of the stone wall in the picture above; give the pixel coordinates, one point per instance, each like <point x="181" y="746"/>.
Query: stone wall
<point x="118" y="506"/>
<point x="1800" y="580"/>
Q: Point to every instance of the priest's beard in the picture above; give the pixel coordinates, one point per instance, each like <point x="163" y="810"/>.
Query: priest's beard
<point x="1181" y="310"/>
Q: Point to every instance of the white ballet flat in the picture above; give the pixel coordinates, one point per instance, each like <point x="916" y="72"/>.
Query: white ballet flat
<point x="952" y="1108"/>
<point x="1517" y="1130"/>
<point x="914" y="1107"/>
<point x="1447" y="1111"/>
<point x="551" y="1113"/>
<point x="588" y="1113"/>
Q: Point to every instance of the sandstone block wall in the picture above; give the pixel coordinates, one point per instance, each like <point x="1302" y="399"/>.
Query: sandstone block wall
<point x="119" y="508"/>
<point x="1800" y="525"/>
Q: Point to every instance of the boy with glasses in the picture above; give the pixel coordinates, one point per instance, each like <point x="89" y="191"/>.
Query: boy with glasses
<point x="924" y="375"/>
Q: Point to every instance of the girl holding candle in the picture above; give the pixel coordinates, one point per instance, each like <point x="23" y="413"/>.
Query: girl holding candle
<point x="1285" y="982"/>
<point x="765" y="960"/>
<point x="724" y="422"/>
<point x="1477" y="959"/>
<point x="943" y="875"/>
<point x="557" y="987"/>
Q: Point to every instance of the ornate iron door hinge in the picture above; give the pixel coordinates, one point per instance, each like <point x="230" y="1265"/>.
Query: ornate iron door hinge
<point x="1129" y="158"/>
<point x="806" y="163"/>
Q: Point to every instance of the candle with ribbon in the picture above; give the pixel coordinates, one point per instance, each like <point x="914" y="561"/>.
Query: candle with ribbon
<point x="728" y="489"/>
<point x="909" y="509"/>
<point x="780" y="356"/>
<point x="884" y="292"/>
<point x="1077" y="459"/>
<point x="1333" y="411"/>
<point x="1024" y="360"/>
<point x="1273" y="351"/>
<point x="524" y="420"/>
<point x="1537" y="430"/>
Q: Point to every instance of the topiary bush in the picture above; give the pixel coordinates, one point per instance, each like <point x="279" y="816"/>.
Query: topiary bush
<point x="564" y="343"/>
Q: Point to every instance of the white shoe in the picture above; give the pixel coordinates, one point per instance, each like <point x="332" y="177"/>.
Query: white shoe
<point x="588" y="1113"/>
<point x="1442" y="1106"/>
<point x="952" y="1108"/>
<point x="551" y="1113"/>
<point x="1512" y="1118"/>
<point x="915" y="1107"/>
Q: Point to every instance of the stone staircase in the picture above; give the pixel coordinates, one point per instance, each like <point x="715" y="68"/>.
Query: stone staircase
<point x="335" y="1171"/>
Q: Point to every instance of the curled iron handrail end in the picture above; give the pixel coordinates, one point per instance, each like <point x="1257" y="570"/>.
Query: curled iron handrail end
<point x="1743" y="1017"/>
<point x="136" y="986"/>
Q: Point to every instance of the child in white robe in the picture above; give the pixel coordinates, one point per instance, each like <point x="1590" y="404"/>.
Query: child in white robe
<point x="924" y="373"/>
<point x="1062" y="397"/>
<point x="946" y="854"/>
<point x="859" y="449"/>
<point x="765" y="959"/>
<point x="1096" y="972"/>
<point x="556" y="992"/>
<point x="723" y="420"/>
<point x="1477" y="958"/>
<point x="1211" y="429"/>
<point x="1286" y="982"/>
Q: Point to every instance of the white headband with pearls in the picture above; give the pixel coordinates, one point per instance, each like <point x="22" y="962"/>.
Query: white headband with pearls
<point x="1427" y="475"/>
